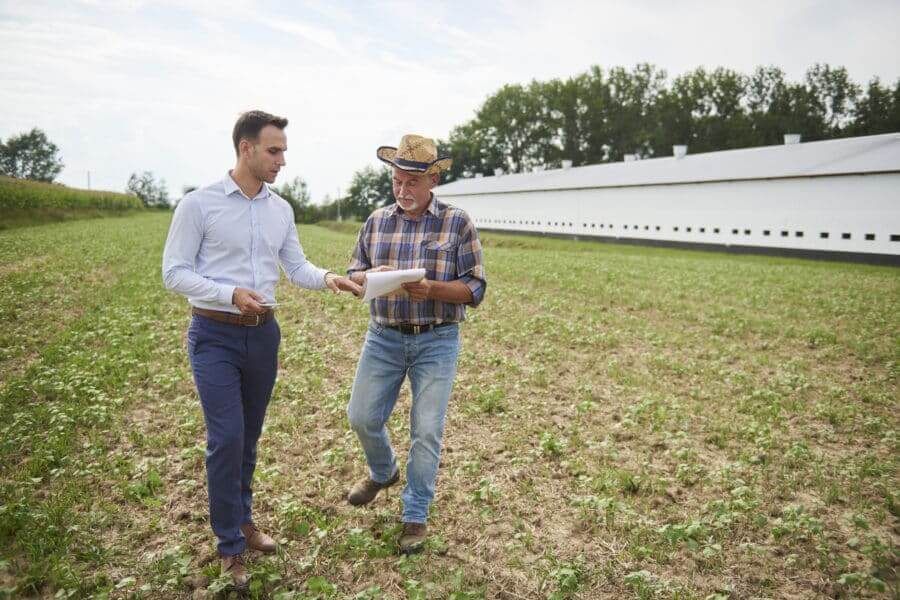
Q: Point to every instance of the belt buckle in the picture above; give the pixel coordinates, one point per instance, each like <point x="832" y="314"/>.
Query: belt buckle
<point x="417" y="329"/>
<point x="257" y="320"/>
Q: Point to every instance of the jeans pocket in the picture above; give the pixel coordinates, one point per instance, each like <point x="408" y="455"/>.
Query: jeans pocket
<point x="375" y="328"/>
<point x="446" y="332"/>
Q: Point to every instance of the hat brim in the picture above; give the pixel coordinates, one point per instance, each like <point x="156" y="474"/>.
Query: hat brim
<point x="388" y="155"/>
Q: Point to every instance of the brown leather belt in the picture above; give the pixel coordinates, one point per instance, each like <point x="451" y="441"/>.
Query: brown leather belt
<point x="410" y="329"/>
<point x="234" y="319"/>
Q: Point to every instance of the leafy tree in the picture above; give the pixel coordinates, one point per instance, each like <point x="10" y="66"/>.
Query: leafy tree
<point x="877" y="111"/>
<point x="152" y="193"/>
<point x="30" y="156"/>
<point x="296" y="193"/>
<point x="370" y="188"/>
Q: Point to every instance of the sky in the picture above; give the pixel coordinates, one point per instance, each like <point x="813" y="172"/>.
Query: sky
<point x="129" y="86"/>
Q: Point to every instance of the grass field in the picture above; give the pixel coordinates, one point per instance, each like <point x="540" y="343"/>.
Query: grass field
<point x="627" y="423"/>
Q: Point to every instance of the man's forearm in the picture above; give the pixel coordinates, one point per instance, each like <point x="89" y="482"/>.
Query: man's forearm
<point x="455" y="291"/>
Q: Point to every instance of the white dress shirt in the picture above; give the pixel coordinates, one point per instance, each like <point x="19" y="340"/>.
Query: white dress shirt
<point x="220" y="239"/>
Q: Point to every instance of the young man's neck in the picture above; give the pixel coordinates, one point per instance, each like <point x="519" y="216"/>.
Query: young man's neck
<point x="249" y="183"/>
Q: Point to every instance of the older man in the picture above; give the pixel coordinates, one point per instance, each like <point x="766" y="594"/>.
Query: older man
<point x="223" y="252"/>
<point x="415" y="334"/>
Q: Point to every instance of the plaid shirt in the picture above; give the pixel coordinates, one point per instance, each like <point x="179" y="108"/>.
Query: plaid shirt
<point x="444" y="241"/>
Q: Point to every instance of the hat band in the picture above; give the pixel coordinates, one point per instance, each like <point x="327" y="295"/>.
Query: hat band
<point x="413" y="164"/>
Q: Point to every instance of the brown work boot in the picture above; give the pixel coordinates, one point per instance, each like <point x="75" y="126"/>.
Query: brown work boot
<point x="256" y="539"/>
<point x="366" y="490"/>
<point x="235" y="566"/>
<point x="412" y="540"/>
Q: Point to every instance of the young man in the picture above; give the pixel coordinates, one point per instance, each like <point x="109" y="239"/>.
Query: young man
<point x="223" y="251"/>
<point x="415" y="333"/>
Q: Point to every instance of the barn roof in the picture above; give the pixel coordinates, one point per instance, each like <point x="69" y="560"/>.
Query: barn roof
<point x="858" y="155"/>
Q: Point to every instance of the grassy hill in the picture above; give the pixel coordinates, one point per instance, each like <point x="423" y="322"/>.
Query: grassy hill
<point x="24" y="202"/>
<point x="627" y="423"/>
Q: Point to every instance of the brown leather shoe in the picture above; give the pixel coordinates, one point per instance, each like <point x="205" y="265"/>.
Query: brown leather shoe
<point x="256" y="539"/>
<point x="366" y="489"/>
<point x="235" y="565"/>
<point x="412" y="540"/>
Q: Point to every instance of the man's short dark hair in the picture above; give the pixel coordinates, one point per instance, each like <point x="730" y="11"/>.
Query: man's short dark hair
<point x="250" y="123"/>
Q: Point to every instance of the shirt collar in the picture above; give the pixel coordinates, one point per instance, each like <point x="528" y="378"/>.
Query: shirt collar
<point x="433" y="208"/>
<point x="231" y="187"/>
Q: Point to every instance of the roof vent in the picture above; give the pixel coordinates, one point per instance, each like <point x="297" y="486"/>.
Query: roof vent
<point x="498" y="172"/>
<point x="630" y="157"/>
<point x="791" y="138"/>
<point x="566" y="164"/>
<point x="679" y="150"/>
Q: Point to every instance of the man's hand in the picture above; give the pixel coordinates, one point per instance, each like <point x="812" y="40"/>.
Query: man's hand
<point x="338" y="284"/>
<point x="419" y="290"/>
<point x="360" y="276"/>
<point x="247" y="301"/>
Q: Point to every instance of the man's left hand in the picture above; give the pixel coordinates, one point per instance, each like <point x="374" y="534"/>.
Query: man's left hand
<point x="419" y="290"/>
<point x="338" y="284"/>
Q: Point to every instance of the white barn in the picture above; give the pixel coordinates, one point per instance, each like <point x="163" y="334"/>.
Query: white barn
<point x="833" y="199"/>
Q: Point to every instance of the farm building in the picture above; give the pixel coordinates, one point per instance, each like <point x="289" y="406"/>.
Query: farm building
<point x="832" y="199"/>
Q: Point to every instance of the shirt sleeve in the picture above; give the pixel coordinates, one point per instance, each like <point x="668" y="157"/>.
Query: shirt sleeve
<point x="360" y="260"/>
<point x="300" y="271"/>
<point x="180" y="254"/>
<point x="469" y="263"/>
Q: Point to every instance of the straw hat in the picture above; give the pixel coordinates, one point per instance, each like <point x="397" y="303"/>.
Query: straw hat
<point x="416" y="153"/>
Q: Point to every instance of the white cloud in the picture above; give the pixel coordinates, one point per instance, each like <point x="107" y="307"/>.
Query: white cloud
<point x="128" y="87"/>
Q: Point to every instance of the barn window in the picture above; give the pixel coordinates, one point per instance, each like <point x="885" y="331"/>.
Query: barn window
<point x="716" y="230"/>
<point x="824" y="235"/>
<point x="593" y="225"/>
<point x="570" y="224"/>
<point x="734" y="231"/>
<point x="895" y="237"/>
<point x="798" y="233"/>
<point x="646" y="227"/>
<point x="845" y="236"/>
<point x="657" y="227"/>
<point x="703" y="230"/>
<point x="766" y="232"/>
<point x="688" y="229"/>
<point x="674" y="229"/>
<point x="746" y="232"/>
<point x="625" y="226"/>
<point x="870" y="237"/>
<point x="784" y="234"/>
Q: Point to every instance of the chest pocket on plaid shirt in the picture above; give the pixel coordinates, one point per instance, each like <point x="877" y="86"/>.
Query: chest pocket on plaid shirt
<point x="439" y="258"/>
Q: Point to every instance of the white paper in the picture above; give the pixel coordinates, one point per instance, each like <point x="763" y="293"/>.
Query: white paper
<point x="383" y="283"/>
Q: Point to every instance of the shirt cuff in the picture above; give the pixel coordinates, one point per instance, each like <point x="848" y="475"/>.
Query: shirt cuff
<point x="477" y="286"/>
<point x="226" y="293"/>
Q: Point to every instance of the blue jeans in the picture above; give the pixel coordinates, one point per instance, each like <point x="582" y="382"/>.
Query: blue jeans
<point x="430" y="361"/>
<point x="234" y="369"/>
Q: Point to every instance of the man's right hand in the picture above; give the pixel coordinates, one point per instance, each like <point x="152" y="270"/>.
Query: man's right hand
<point x="247" y="301"/>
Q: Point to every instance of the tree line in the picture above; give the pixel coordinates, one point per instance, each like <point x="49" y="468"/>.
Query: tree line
<point x="595" y="117"/>
<point x="602" y="115"/>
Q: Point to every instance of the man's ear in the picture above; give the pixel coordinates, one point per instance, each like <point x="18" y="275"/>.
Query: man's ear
<point x="244" y="146"/>
<point x="435" y="179"/>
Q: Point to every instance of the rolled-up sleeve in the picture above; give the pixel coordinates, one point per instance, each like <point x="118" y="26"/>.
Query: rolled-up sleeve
<point x="470" y="264"/>
<point x="360" y="259"/>
<point x="300" y="271"/>
<point x="180" y="254"/>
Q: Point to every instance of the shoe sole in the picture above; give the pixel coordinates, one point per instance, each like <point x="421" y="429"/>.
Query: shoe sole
<point x="415" y="549"/>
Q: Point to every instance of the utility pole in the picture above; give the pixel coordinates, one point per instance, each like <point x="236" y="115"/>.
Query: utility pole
<point x="89" y="180"/>
<point x="338" y="200"/>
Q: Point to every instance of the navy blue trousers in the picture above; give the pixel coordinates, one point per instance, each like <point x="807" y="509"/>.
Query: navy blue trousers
<point x="234" y="370"/>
